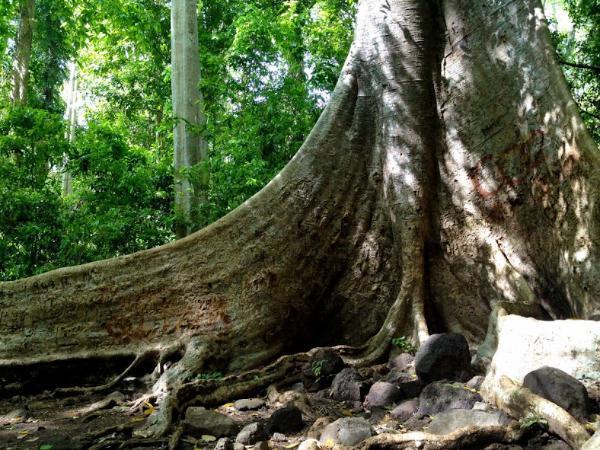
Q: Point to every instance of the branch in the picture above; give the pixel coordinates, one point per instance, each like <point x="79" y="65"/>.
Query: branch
<point x="579" y="65"/>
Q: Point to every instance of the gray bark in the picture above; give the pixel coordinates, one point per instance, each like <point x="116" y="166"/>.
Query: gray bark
<point x="449" y="174"/>
<point x="190" y="146"/>
<point x="71" y="115"/>
<point x="22" y="56"/>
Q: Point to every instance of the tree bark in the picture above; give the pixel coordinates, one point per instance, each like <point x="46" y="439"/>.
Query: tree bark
<point x="190" y="146"/>
<point x="22" y="56"/>
<point x="71" y="116"/>
<point x="450" y="173"/>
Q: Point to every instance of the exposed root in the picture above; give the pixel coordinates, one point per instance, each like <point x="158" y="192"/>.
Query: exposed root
<point x="175" y="438"/>
<point x="79" y="390"/>
<point x="469" y="437"/>
<point x="520" y="402"/>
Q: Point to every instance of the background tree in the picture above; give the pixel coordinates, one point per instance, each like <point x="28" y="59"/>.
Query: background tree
<point x="22" y="56"/>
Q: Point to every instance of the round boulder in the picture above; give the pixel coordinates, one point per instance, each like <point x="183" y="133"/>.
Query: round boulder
<point x="560" y="388"/>
<point x="443" y="356"/>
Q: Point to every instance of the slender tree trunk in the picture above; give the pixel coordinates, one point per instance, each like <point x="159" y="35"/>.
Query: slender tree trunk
<point x="190" y="146"/>
<point x="22" y="57"/>
<point x="67" y="179"/>
<point x="449" y="174"/>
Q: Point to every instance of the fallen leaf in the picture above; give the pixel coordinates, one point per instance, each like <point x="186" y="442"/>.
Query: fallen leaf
<point x="208" y="438"/>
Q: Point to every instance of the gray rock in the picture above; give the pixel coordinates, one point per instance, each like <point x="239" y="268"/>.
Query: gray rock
<point x="224" y="444"/>
<point x="252" y="433"/>
<point x="249" y="404"/>
<point x="286" y="420"/>
<point x="561" y="388"/>
<point x="482" y="406"/>
<point x="278" y="437"/>
<point x="405" y="410"/>
<point x="238" y="446"/>
<point x="475" y="382"/>
<point x="262" y="445"/>
<point x="401" y="362"/>
<point x="346" y="431"/>
<point x="348" y="386"/>
<point x="455" y="419"/>
<point x="556" y="445"/>
<point x="410" y="386"/>
<point x="443" y="356"/>
<point x="309" y="444"/>
<point x="417" y="422"/>
<point x="442" y="395"/>
<point x="382" y="393"/>
<point x="199" y="420"/>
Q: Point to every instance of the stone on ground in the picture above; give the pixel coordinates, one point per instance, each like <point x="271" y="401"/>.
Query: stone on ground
<point x="285" y="420"/>
<point x="405" y="410"/>
<point x="443" y="356"/>
<point x="347" y="431"/>
<point x="475" y="382"/>
<point x="199" y="420"/>
<point x="455" y="419"/>
<point x="252" y="433"/>
<point x="526" y="344"/>
<point x="442" y="395"/>
<point x="348" y="386"/>
<point x="382" y="393"/>
<point x="561" y="388"/>
<point x="309" y="444"/>
<point x="224" y="444"/>
<point x="249" y="404"/>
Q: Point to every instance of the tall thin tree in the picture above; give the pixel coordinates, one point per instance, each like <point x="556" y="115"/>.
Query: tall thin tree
<point x="190" y="147"/>
<point x="22" y="56"/>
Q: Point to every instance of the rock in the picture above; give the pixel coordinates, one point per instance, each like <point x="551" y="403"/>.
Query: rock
<point x="382" y="393"/>
<point x="417" y="422"/>
<point x="475" y="382"/>
<point x="556" y="445"/>
<point x="238" y="446"/>
<point x="224" y="444"/>
<point x="443" y="356"/>
<point x="317" y="427"/>
<point x="199" y="420"/>
<point x="455" y="419"/>
<point x="482" y="406"/>
<point x="318" y="373"/>
<point x="526" y="344"/>
<point x="285" y="420"/>
<point x="347" y="431"/>
<point x="279" y="437"/>
<point x="401" y="362"/>
<point x="262" y="445"/>
<point x="405" y="410"/>
<point x="561" y="388"/>
<point x="441" y="395"/>
<point x="249" y="404"/>
<point x="252" y="433"/>
<point x="593" y="443"/>
<point x="14" y="416"/>
<point x="348" y="386"/>
<point x="309" y="444"/>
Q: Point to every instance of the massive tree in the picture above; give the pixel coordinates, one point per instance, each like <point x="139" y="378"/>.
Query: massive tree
<point x="449" y="174"/>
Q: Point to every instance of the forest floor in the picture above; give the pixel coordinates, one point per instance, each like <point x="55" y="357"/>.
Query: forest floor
<point x="99" y="421"/>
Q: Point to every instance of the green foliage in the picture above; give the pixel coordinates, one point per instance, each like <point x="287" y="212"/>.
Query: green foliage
<point x="317" y="367"/>
<point x="532" y="420"/>
<point x="209" y="376"/>
<point x="404" y="344"/>
<point x="581" y="46"/>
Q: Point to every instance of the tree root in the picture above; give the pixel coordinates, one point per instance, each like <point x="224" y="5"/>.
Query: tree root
<point x="520" y="402"/>
<point x="79" y="390"/>
<point x="469" y="437"/>
<point x="285" y="370"/>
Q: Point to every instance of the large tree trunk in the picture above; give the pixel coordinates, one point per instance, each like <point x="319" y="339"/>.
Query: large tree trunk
<point x="22" y="56"/>
<point x="450" y="173"/>
<point x="190" y="146"/>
